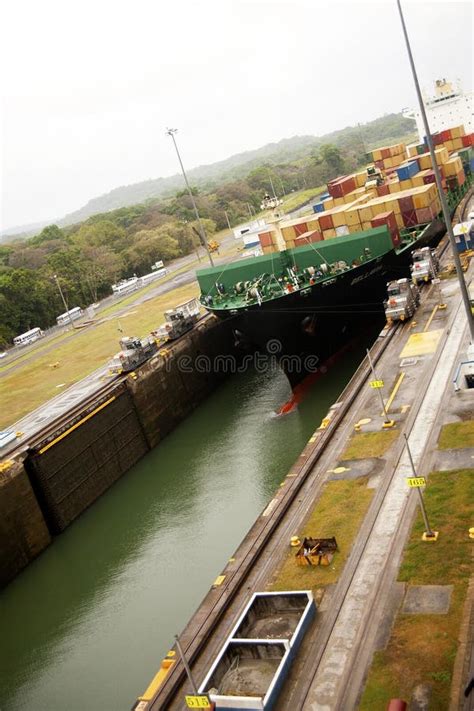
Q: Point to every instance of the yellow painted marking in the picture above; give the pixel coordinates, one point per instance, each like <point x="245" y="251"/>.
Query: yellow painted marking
<point x="78" y="424"/>
<point x="312" y="439"/>
<point x="231" y="560"/>
<point x="159" y="677"/>
<point x="430" y="318"/>
<point x="394" y="392"/>
<point x="405" y="408"/>
<point x="421" y="344"/>
<point x="376" y="384"/>
<point x="338" y="470"/>
<point x="218" y="581"/>
<point x="364" y="421"/>
<point x="197" y="702"/>
<point x="416" y="481"/>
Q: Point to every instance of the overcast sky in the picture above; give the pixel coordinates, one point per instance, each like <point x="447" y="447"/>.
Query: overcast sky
<point x="89" y="87"/>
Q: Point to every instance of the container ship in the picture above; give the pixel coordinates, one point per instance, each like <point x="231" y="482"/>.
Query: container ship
<point x="322" y="277"/>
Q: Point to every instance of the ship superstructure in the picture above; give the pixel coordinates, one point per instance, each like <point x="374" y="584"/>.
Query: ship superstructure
<point x="448" y="106"/>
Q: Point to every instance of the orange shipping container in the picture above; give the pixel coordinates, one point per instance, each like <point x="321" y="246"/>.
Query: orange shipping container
<point x="352" y="217"/>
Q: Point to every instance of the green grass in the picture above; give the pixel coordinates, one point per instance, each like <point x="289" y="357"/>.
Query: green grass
<point x="331" y="516"/>
<point x="301" y="196"/>
<point x="369" y="444"/>
<point x="41" y="346"/>
<point x="36" y="382"/>
<point x="457" y="435"/>
<point x="422" y="648"/>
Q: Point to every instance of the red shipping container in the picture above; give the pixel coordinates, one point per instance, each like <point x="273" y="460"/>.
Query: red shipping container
<point x="265" y="239"/>
<point x="461" y="178"/>
<point x="315" y="236"/>
<point x="385" y="153"/>
<point x="429" y="177"/>
<point x="301" y="228"/>
<point x="325" y="222"/>
<point x="406" y="203"/>
<point x="348" y="185"/>
<point x="335" y="190"/>
<point x="379" y="164"/>
<point x="437" y="140"/>
<point x="409" y="218"/>
<point x="424" y="214"/>
<point x="445" y="135"/>
<point x="301" y="242"/>
<point x="385" y="218"/>
<point x="383" y="190"/>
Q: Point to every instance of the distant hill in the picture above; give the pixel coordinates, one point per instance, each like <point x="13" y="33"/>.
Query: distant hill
<point x="385" y="129"/>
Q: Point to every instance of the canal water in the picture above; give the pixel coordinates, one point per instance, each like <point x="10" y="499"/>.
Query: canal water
<point x="85" y="627"/>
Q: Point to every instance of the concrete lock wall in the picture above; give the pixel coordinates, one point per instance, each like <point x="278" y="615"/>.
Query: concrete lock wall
<point x="23" y="530"/>
<point x="69" y="474"/>
<point x="64" y="474"/>
<point x="171" y="385"/>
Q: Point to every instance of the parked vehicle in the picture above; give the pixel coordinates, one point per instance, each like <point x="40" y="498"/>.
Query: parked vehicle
<point x="403" y="300"/>
<point x="29" y="337"/>
<point x="69" y="316"/>
<point x="425" y="265"/>
<point x="125" y="286"/>
<point x="178" y="320"/>
<point x="135" y="351"/>
<point x="270" y="203"/>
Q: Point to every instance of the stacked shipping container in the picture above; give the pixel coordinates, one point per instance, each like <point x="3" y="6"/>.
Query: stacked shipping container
<point x="408" y="196"/>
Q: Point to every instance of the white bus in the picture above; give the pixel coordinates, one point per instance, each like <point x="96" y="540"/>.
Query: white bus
<point x="124" y="286"/>
<point x="28" y="337"/>
<point x="69" y="316"/>
<point x="147" y="278"/>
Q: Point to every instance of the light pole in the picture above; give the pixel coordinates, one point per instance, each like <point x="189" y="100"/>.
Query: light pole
<point x="444" y="204"/>
<point x="171" y="132"/>
<point x="55" y="277"/>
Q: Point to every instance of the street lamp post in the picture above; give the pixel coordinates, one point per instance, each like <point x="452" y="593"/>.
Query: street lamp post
<point x="55" y="277"/>
<point x="171" y="132"/>
<point x="444" y="204"/>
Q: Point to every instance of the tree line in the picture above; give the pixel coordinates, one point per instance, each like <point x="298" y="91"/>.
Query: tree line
<point x="88" y="258"/>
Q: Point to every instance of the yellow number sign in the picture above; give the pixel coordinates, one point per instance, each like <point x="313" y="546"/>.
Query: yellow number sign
<point x="416" y="481"/>
<point x="376" y="383"/>
<point x="198" y="702"/>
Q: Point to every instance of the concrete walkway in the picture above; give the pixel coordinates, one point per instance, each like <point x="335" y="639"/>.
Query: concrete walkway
<point x="341" y="655"/>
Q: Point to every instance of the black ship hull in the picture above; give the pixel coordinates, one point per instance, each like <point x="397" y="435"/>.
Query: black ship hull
<point x="304" y="329"/>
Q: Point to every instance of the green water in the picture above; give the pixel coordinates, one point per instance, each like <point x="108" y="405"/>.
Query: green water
<point x="85" y="627"/>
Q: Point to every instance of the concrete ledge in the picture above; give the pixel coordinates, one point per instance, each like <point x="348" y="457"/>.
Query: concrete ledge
<point x="427" y="600"/>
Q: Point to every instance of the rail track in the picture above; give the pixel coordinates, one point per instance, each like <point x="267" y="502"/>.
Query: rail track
<point x="194" y="640"/>
<point x="57" y="425"/>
